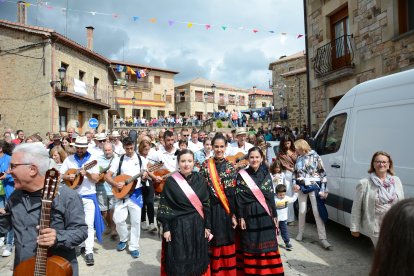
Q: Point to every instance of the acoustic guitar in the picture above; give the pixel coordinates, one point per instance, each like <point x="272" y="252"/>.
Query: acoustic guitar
<point x="130" y="181"/>
<point x="163" y="173"/>
<point x="236" y="158"/>
<point x="102" y="173"/>
<point x="78" y="176"/>
<point x="41" y="265"/>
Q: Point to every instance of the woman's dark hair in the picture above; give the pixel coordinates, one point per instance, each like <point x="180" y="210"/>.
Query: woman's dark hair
<point x="394" y="253"/>
<point x="182" y="152"/>
<point x="219" y="136"/>
<point x="256" y="149"/>
<point x="6" y="147"/>
<point x="274" y="165"/>
<point x="207" y="139"/>
<point x="285" y="138"/>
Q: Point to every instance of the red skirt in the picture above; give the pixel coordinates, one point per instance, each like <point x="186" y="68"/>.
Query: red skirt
<point x="263" y="264"/>
<point x="223" y="260"/>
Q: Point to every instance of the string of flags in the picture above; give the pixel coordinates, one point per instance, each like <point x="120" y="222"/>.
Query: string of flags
<point x="153" y="20"/>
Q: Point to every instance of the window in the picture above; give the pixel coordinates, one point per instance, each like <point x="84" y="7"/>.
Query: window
<point x="138" y="95"/>
<point x="63" y="118"/>
<point x="242" y="100"/>
<point x="157" y="79"/>
<point x="330" y="138"/>
<point x="81" y="75"/>
<point x="340" y="54"/>
<point x="199" y="96"/>
<point x="232" y="99"/>
<point x="182" y="97"/>
<point x="95" y="87"/>
<point x="169" y="98"/>
<point x="157" y="97"/>
<point x="264" y="104"/>
<point x="405" y="15"/>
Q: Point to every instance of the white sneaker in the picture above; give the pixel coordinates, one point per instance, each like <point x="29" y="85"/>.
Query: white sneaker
<point x="299" y="237"/>
<point x="326" y="244"/>
<point x="1" y="242"/>
<point x="144" y="225"/>
<point x="8" y="250"/>
<point x="152" y="228"/>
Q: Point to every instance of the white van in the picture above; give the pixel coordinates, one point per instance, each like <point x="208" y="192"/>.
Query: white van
<point x="372" y="116"/>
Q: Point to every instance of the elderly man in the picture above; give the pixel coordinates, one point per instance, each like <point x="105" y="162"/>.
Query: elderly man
<point x="97" y="149"/>
<point x="241" y="145"/>
<point x="67" y="229"/>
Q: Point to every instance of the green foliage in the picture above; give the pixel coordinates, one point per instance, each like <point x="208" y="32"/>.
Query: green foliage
<point x="219" y="123"/>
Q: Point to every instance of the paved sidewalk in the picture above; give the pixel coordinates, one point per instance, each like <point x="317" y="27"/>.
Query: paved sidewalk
<point x="349" y="256"/>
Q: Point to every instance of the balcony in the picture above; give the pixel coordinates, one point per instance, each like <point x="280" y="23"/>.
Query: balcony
<point x="334" y="59"/>
<point x="79" y="91"/>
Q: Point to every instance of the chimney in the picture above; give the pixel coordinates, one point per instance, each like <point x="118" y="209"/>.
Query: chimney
<point x="89" y="37"/>
<point x="21" y="12"/>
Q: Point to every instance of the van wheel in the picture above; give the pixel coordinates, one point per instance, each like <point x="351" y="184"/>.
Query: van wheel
<point x="309" y="218"/>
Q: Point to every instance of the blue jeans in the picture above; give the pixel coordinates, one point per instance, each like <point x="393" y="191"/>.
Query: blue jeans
<point x="284" y="231"/>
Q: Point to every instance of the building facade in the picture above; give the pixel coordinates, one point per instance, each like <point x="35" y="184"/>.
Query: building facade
<point x="31" y="57"/>
<point x="260" y="98"/>
<point x="290" y="89"/>
<point x="201" y="97"/>
<point x="354" y="41"/>
<point x="141" y="91"/>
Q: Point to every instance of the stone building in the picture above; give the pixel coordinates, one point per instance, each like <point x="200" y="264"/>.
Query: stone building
<point x="260" y="98"/>
<point x="142" y="91"/>
<point x="30" y="58"/>
<point x="354" y="41"/>
<point x="201" y="96"/>
<point x="289" y="89"/>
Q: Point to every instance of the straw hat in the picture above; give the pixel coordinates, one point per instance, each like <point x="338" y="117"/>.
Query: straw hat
<point x="81" y="142"/>
<point x="100" y="136"/>
<point x="115" y="133"/>
<point x="241" y="131"/>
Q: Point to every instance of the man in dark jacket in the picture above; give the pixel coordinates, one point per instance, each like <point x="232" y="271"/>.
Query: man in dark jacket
<point x="28" y="167"/>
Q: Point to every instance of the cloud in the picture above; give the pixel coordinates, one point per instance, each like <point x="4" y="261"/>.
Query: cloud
<point x="234" y="56"/>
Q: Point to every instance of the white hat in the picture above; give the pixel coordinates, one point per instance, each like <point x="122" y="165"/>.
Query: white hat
<point x="115" y="133"/>
<point x="241" y="131"/>
<point x="100" y="136"/>
<point x="81" y="142"/>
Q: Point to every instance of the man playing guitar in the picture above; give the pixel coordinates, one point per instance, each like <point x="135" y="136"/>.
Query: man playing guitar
<point x="129" y="164"/>
<point x="67" y="229"/>
<point x="87" y="192"/>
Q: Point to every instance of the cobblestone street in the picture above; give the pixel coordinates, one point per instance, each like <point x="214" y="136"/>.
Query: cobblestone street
<point x="348" y="256"/>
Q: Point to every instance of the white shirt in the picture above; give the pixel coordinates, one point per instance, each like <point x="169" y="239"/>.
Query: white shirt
<point x="243" y="149"/>
<point x="95" y="151"/>
<point x="194" y="147"/>
<point x="130" y="166"/>
<point x="119" y="149"/>
<point x="87" y="187"/>
<point x="282" y="204"/>
<point x="103" y="163"/>
<point x="169" y="159"/>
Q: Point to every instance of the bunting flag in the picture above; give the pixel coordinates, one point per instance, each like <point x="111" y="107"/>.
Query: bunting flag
<point x="119" y="68"/>
<point x="143" y="73"/>
<point x="135" y="18"/>
<point x="138" y="74"/>
<point x="130" y="71"/>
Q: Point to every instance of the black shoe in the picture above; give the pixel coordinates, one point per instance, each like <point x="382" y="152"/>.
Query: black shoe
<point x="288" y="246"/>
<point x="89" y="259"/>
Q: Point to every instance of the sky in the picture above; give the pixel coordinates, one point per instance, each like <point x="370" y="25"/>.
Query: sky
<point x="227" y="51"/>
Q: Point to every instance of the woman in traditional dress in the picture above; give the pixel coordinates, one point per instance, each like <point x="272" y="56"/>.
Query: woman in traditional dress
<point x="184" y="213"/>
<point x="256" y="210"/>
<point x="287" y="157"/>
<point x="221" y="175"/>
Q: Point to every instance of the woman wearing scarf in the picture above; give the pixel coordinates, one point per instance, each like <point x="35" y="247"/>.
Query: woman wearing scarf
<point x="287" y="157"/>
<point x="374" y="196"/>
<point x="310" y="177"/>
<point x="220" y="175"/>
<point x="184" y="213"/>
<point x="256" y="210"/>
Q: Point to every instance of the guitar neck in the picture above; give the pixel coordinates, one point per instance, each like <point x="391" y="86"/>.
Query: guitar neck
<point x="168" y="174"/>
<point x="135" y="177"/>
<point x="41" y="252"/>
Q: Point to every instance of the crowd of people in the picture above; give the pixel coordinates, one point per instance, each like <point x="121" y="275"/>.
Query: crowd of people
<point x="221" y="203"/>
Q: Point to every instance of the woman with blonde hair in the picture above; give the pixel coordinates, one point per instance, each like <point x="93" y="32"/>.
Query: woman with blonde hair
<point x="310" y="178"/>
<point x="58" y="154"/>
<point x="374" y="196"/>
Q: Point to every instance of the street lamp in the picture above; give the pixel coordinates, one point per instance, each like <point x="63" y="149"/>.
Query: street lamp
<point x="213" y="88"/>
<point x="62" y="76"/>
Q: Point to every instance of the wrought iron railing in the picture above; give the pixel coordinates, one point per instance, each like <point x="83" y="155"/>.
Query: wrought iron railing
<point x="334" y="55"/>
<point x="92" y="91"/>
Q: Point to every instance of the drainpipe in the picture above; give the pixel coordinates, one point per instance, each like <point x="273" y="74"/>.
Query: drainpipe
<point x="308" y="95"/>
<point x="52" y="77"/>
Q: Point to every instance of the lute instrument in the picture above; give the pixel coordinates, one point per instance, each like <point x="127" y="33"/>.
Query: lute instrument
<point x="78" y="176"/>
<point x="163" y="173"/>
<point x="130" y="181"/>
<point x="41" y="264"/>
<point x="103" y="171"/>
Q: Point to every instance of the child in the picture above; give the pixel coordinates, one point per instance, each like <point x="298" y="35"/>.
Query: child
<point x="278" y="177"/>
<point x="282" y="201"/>
<point x="182" y="144"/>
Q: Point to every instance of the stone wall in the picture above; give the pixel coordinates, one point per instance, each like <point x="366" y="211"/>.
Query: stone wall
<point x="25" y="93"/>
<point x="378" y="47"/>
